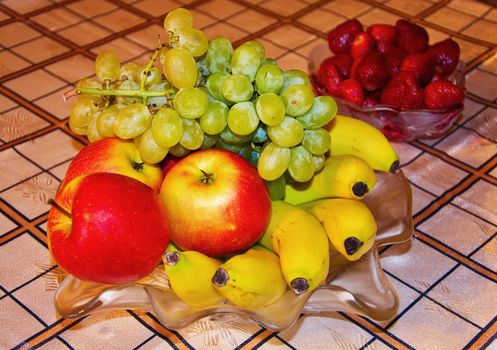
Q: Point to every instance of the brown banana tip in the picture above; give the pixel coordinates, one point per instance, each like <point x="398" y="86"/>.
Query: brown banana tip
<point x="352" y="245"/>
<point x="171" y="258"/>
<point x="395" y="166"/>
<point x="299" y="285"/>
<point x="220" y="277"/>
<point x="360" y="189"/>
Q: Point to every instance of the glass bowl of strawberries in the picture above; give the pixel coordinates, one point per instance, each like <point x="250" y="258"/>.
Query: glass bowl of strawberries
<point x="390" y="77"/>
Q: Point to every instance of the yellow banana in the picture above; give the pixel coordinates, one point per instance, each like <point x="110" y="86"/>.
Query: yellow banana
<point x="301" y="243"/>
<point x="252" y="279"/>
<point x="353" y="136"/>
<point x="190" y="274"/>
<point x="349" y="223"/>
<point x="344" y="176"/>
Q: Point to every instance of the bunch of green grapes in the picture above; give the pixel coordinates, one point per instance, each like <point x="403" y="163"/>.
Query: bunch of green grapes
<point x="209" y="94"/>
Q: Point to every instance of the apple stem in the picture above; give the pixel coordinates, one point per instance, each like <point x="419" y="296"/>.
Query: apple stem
<point x="137" y="165"/>
<point x="220" y="277"/>
<point x="58" y="207"/>
<point x="208" y="178"/>
<point x="171" y="258"/>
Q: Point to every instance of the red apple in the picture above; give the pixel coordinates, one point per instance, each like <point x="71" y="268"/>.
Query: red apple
<point x="113" y="155"/>
<point x="168" y="162"/>
<point x="108" y="228"/>
<point x="216" y="202"/>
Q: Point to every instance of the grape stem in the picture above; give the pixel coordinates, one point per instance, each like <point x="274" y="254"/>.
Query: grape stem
<point x="119" y="92"/>
<point x="146" y="71"/>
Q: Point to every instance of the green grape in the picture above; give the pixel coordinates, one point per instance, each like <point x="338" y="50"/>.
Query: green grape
<point x="131" y="121"/>
<point x="177" y="19"/>
<point x="270" y="108"/>
<point x="323" y="110"/>
<point x="269" y="78"/>
<point x="128" y="85"/>
<point x="242" y="118"/>
<point x="288" y="133"/>
<point x="193" y="136"/>
<point x="268" y="60"/>
<point x="178" y="151"/>
<point x="81" y="112"/>
<point x="301" y="167"/>
<point x="202" y="68"/>
<point x="159" y="101"/>
<point x="229" y="137"/>
<point x="107" y="66"/>
<point x="214" y="85"/>
<point x="180" y="68"/>
<point x="317" y="141"/>
<point x="92" y="131"/>
<point x="193" y="40"/>
<point x="257" y="45"/>
<point x="152" y="77"/>
<point x="295" y="77"/>
<point x="219" y="54"/>
<point x="254" y="158"/>
<point x="89" y="83"/>
<point x="167" y="127"/>
<point x="190" y="103"/>
<point x="298" y="99"/>
<point x="273" y="161"/>
<point x="105" y="120"/>
<point x="260" y="135"/>
<point x="150" y="151"/>
<point x="162" y="54"/>
<point x="209" y="141"/>
<point x="277" y="188"/>
<point x="131" y="71"/>
<point x="237" y="88"/>
<point x="246" y="61"/>
<point x="318" y="162"/>
<point x="235" y="148"/>
<point x="215" y="118"/>
<point x="245" y="151"/>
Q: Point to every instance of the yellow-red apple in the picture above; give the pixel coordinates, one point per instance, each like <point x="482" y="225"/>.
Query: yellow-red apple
<point x="216" y="202"/>
<point x="113" y="155"/>
<point x="108" y="228"/>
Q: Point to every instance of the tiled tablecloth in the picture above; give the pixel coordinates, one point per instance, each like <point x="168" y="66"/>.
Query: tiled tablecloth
<point x="446" y="276"/>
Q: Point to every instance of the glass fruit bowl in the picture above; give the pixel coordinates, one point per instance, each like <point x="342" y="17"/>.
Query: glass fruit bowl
<point x="358" y="287"/>
<point x="396" y="124"/>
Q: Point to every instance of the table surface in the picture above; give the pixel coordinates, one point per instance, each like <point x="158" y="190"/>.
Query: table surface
<point x="446" y="275"/>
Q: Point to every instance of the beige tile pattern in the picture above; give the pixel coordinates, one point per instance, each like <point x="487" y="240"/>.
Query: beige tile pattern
<point x="446" y="276"/>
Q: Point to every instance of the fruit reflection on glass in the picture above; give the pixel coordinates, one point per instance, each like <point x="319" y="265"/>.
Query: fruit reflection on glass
<point x="261" y="177"/>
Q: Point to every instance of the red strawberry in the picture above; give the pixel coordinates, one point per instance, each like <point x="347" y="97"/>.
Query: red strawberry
<point x="343" y="62"/>
<point x="442" y="94"/>
<point x="370" y="101"/>
<point x="421" y="64"/>
<point x="383" y="34"/>
<point x="403" y="92"/>
<point x="351" y="90"/>
<point x="394" y="56"/>
<point x="372" y="72"/>
<point x="446" y="54"/>
<point x="340" y="38"/>
<point x="437" y="76"/>
<point x="329" y="76"/>
<point x="362" y="44"/>
<point x="411" y="37"/>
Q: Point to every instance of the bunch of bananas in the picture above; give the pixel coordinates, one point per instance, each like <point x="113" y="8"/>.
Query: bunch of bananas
<point x="294" y="252"/>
